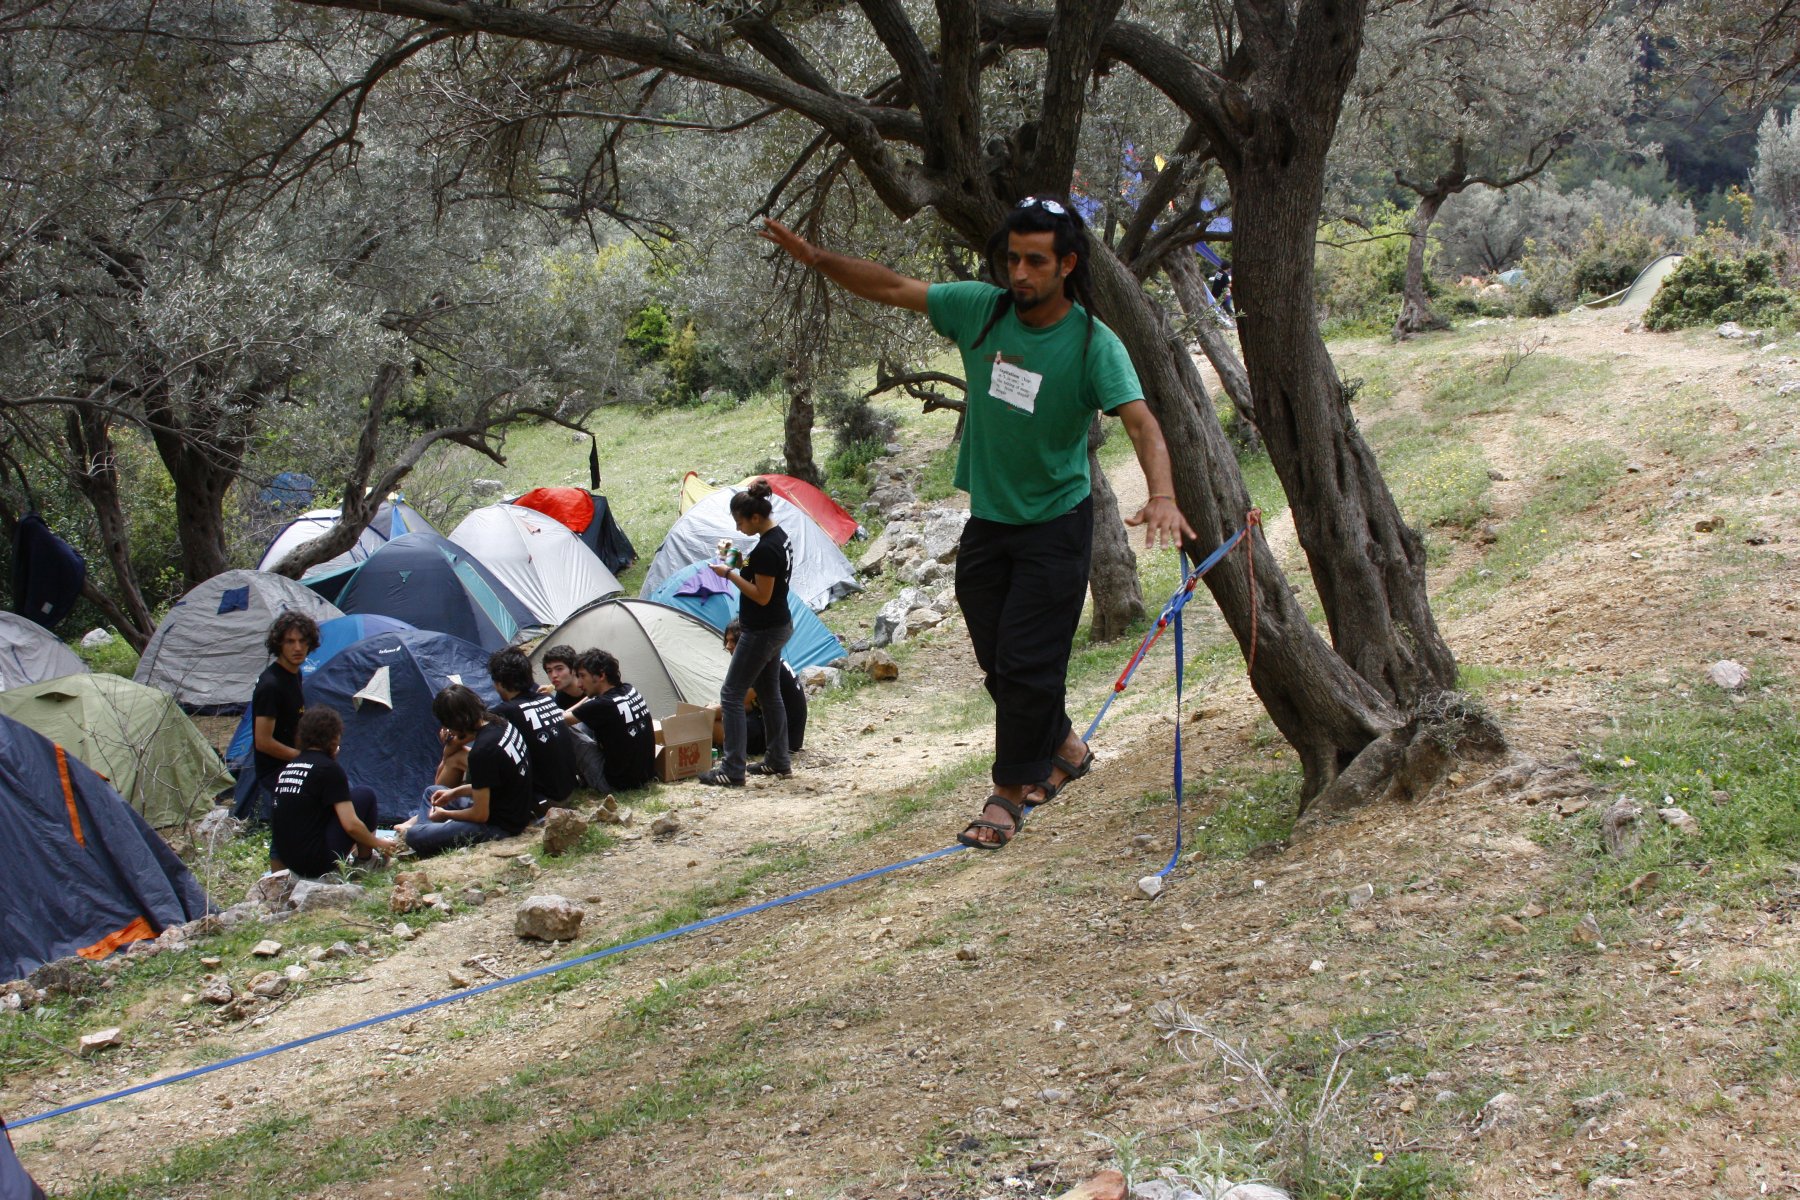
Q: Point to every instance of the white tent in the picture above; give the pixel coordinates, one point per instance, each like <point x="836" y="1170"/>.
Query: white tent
<point x="538" y="557"/>
<point x="392" y="519"/>
<point x="29" y="653"/>
<point x="211" y="647"/>
<point x="665" y="653"/>
<point x="821" y="572"/>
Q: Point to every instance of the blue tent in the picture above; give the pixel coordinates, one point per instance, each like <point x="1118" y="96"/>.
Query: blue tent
<point x="431" y="583"/>
<point x="47" y="573"/>
<point x="382" y="686"/>
<point x="337" y="634"/>
<point x="288" y="490"/>
<point x="393" y="518"/>
<point x="812" y="645"/>
<point x="84" y="873"/>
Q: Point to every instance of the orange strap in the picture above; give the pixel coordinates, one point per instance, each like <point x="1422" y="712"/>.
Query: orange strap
<point x="62" y="769"/>
<point x="137" y="931"/>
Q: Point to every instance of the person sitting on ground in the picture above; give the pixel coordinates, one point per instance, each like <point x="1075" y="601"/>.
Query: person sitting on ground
<point x="494" y="800"/>
<point x="548" y="740"/>
<point x="318" y="816"/>
<point x="277" y="702"/>
<point x="793" y="699"/>
<point x="559" y="665"/>
<point x="618" y="719"/>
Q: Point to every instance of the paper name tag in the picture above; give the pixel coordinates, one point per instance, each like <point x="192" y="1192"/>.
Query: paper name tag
<point x="1016" y="386"/>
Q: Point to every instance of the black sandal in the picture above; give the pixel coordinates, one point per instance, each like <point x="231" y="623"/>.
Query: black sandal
<point x="1006" y="833"/>
<point x="1071" y="772"/>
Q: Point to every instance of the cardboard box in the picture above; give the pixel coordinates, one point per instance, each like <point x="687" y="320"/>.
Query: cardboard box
<point x="684" y="743"/>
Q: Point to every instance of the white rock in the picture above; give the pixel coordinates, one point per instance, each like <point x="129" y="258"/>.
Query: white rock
<point x="548" y="918"/>
<point x="93" y="639"/>
<point x="266" y="949"/>
<point x="1253" y="1191"/>
<point x="943" y="533"/>
<point x="1360" y="896"/>
<point x="1731" y="330"/>
<point x="1731" y="676"/>
<point x="820" y="679"/>
<point x="268" y="985"/>
<point x="309" y="895"/>
<point x="218" y="825"/>
<point x="1681" y="820"/>
<point x="100" y="1039"/>
<point x="893" y="614"/>
<point x="1150" y="886"/>
<point x="403" y="931"/>
<point x="272" y="890"/>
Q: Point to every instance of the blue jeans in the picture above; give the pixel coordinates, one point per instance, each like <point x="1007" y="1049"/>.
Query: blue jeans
<point x="756" y="663"/>
<point x="427" y="837"/>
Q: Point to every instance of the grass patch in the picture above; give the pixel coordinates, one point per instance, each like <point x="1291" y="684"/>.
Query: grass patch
<point x="1575" y="479"/>
<point x="1254" y="808"/>
<point x="937" y="479"/>
<point x="1436" y="480"/>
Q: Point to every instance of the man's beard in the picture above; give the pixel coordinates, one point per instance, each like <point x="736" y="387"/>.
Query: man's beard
<point x="1022" y="304"/>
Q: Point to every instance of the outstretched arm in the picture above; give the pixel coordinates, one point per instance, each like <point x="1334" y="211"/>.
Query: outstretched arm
<point x="859" y="276"/>
<point x="1163" y="520"/>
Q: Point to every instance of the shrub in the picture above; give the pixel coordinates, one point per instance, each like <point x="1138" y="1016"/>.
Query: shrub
<point x="1362" y="272"/>
<point x="1708" y="287"/>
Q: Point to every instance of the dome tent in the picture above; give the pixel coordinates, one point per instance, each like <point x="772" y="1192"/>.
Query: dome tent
<point x="382" y="686"/>
<point x="547" y="567"/>
<point x="85" y="874"/>
<point x="29" y="653"/>
<point x="334" y="635"/>
<point x="827" y="513"/>
<point x="589" y="518"/>
<point x="430" y="583"/>
<point x="135" y="736"/>
<point x="668" y="655"/>
<point x="394" y="518"/>
<point x="821" y="572"/>
<point x="688" y="589"/>
<point x="211" y="647"/>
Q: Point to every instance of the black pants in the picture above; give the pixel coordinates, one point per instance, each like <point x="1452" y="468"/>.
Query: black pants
<point x="1021" y="588"/>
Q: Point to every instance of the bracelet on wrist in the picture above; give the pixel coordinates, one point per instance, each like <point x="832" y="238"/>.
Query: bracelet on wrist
<point x="1161" y="496"/>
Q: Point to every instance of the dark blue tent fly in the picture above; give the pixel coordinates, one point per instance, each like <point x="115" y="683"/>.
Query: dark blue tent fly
<point x="382" y="686"/>
<point x="288" y="491"/>
<point x="47" y="573"/>
<point x="15" y="1184"/>
<point x="430" y="583"/>
<point x="84" y="873"/>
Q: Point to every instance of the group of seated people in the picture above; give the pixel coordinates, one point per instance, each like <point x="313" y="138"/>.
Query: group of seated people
<point x="500" y="770"/>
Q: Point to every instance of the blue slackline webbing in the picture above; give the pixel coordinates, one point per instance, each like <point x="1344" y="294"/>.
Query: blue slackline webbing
<point x="467" y="993"/>
<point x="1171" y="611"/>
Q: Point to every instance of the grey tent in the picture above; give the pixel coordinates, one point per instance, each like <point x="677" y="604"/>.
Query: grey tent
<point x="668" y="655"/>
<point x="29" y="653"/>
<point x="538" y="557"/>
<point x="211" y="647"/>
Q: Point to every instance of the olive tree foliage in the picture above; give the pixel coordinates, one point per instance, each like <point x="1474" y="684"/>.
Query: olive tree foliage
<point x="1775" y="180"/>
<point x="159" y="283"/>
<point x="1459" y="94"/>
<point x="957" y="112"/>
<point x="1483" y="231"/>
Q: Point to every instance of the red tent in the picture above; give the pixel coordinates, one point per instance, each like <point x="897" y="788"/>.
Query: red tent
<point x="838" y="524"/>
<point x="574" y="507"/>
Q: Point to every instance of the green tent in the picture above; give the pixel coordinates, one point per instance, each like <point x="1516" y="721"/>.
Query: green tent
<point x="135" y="736"/>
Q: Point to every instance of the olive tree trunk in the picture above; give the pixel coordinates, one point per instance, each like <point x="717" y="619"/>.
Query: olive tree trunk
<point x="1113" y="581"/>
<point x="1190" y="292"/>
<point x="797" y="434"/>
<point x="1415" y="307"/>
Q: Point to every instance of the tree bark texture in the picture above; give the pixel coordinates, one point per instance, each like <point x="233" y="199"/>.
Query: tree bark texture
<point x="96" y="477"/>
<point x="1415" y="307"/>
<point x="1368" y="565"/>
<point x="797" y="434"/>
<point x="1322" y="707"/>
<point x="203" y="451"/>
<point x="1113" y="581"/>
<point x="1190" y="292"/>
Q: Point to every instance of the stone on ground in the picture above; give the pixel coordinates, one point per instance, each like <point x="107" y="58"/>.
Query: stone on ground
<point x="1107" y="1185"/>
<point x="548" y="919"/>
<point x="100" y="1039"/>
<point x="310" y="896"/>
<point x="563" y="828"/>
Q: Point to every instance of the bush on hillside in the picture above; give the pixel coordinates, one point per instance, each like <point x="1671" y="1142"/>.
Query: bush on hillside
<point x="1708" y="288"/>
<point x="1605" y="259"/>
<point x="1362" y="272"/>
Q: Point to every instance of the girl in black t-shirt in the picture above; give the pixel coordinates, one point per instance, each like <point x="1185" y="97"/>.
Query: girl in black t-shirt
<point x="756" y="663"/>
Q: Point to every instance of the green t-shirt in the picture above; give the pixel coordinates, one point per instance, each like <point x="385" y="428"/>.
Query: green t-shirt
<point x="1024" y="448"/>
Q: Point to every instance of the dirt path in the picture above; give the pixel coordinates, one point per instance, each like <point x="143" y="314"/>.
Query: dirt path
<point x="848" y="1046"/>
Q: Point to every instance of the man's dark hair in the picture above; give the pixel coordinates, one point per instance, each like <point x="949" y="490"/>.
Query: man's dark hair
<point x="1034" y="214"/>
<point x="510" y="669"/>
<point x="319" y="729"/>
<point x="563" y="653"/>
<point x="599" y="663"/>
<point x="289" y="622"/>
<point x="458" y="709"/>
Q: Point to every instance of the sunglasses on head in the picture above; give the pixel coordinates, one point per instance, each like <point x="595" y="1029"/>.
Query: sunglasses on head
<point x="1053" y="207"/>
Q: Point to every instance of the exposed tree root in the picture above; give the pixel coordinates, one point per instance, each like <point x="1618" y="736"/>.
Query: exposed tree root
<point x="1410" y="760"/>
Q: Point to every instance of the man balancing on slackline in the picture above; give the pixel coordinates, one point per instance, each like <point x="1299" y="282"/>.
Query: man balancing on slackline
<point x="1038" y="365"/>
